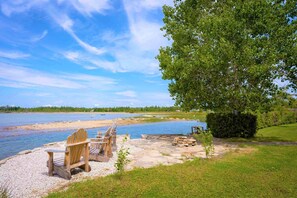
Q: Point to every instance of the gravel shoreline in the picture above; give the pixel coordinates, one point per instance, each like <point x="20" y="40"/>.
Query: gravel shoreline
<point x="26" y="175"/>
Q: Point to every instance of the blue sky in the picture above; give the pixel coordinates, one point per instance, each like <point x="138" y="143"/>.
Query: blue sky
<point x="83" y="53"/>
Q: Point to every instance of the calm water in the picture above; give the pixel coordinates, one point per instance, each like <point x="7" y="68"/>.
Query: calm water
<point x="12" y="142"/>
<point x="17" y="119"/>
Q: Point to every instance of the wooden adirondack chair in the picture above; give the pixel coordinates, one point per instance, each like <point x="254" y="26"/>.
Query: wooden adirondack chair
<point x="101" y="147"/>
<point x="114" y="136"/>
<point x="76" y="156"/>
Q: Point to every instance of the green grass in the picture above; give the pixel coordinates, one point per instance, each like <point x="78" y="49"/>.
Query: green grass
<point x="168" y="116"/>
<point x="181" y="115"/>
<point x="279" y="133"/>
<point x="262" y="171"/>
<point x="283" y="133"/>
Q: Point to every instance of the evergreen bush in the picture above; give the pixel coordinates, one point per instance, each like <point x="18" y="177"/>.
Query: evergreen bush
<point x="227" y="125"/>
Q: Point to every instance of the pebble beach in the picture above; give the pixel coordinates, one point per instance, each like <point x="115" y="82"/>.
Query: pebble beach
<point x="26" y="174"/>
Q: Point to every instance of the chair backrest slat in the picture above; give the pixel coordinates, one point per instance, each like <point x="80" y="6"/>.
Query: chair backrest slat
<point x="76" y="151"/>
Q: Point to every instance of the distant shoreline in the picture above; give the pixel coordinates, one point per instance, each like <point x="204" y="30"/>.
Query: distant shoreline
<point x="78" y="112"/>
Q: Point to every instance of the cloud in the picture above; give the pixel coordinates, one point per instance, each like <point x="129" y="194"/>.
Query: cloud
<point x="87" y="7"/>
<point x="146" y="34"/>
<point x="67" y="23"/>
<point x="90" y="62"/>
<point x="128" y="93"/>
<point x="133" y="50"/>
<point x="39" y="37"/>
<point x="60" y="16"/>
<point x="13" y="55"/>
<point x="71" y="55"/>
<point x="11" y="7"/>
<point x="21" y="77"/>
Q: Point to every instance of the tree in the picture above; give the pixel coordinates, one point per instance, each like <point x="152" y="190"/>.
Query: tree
<point x="226" y="54"/>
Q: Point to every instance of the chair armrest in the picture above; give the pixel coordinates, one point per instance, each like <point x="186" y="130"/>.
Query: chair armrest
<point x="96" y="139"/>
<point x="55" y="151"/>
<point x="79" y="143"/>
<point x="52" y="151"/>
<point x="91" y="143"/>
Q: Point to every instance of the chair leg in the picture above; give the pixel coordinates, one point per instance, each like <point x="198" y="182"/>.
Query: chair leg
<point x="87" y="167"/>
<point x="50" y="164"/>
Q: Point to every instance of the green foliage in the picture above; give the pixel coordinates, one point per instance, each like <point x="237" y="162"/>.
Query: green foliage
<point x="122" y="160"/>
<point x="276" y="118"/>
<point x="227" y="125"/>
<point x="282" y="133"/>
<point x="206" y="139"/>
<point x="264" y="171"/>
<point x="225" y="55"/>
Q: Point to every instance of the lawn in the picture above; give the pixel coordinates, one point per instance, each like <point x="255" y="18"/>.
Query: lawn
<point x="258" y="171"/>
<point x="283" y="133"/>
<point x="279" y="133"/>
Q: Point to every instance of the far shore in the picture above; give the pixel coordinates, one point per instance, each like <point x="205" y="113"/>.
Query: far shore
<point x="76" y="112"/>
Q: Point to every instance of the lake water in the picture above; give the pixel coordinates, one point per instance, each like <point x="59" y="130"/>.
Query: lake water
<point x="23" y="140"/>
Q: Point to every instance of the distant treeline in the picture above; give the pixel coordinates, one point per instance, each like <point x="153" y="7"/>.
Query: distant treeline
<point x="8" y="109"/>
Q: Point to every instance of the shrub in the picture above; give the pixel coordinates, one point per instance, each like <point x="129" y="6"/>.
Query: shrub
<point x="275" y="118"/>
<point x="122" y="158"/>
<point x="206" y="139"/>
<point x="226" y="125"/>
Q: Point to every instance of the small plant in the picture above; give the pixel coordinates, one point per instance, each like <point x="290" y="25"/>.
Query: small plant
<point x="5" y="192"/>
<point x="122" y="160"/>
<point x="206" y="139"/>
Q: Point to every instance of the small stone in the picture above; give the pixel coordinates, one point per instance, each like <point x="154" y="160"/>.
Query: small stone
<point x="25" y="152"/>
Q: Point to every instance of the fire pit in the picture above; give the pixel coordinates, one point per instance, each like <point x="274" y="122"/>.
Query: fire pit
<point x="182" y="141"/>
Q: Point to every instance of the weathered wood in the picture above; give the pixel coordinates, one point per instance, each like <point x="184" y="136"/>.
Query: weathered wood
<point x="86" y="158"/>
<point x="50" y="163"/>
<point x="76" y="155"/>
<point x="62" y="172"/>
<point x="101" y="150"/>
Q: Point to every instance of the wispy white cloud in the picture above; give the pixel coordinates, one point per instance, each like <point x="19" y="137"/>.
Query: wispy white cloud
<point x="71" y="55"/>
<point x="128" y="93"/>
<point x="91" y="62"/>
<point x="19" y="6"/>
<point x="67" y="23"/>
<point x="61" y="18"/>
<point x="87" y="7"/>
<point x="13" y="55"/>
<point x="21" y="77"/>
<point x="131" y="51"/>
<point x="39" y="37"/>
<point x="90" y="67"/>
<point x="146" y="33"/>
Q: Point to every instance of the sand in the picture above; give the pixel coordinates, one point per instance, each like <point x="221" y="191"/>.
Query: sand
<point x="77" y="124"/>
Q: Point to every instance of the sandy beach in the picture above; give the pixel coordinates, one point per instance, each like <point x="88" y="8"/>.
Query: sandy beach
<point x="77" y="124"/>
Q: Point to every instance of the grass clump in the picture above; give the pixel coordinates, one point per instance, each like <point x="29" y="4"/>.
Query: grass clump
<point x="5" y="191"/>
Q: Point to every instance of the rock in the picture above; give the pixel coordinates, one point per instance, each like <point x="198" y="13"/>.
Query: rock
<point x="24" y="152"/>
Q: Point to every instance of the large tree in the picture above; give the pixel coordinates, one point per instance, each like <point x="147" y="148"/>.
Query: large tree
<point x="226" y="54"/>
